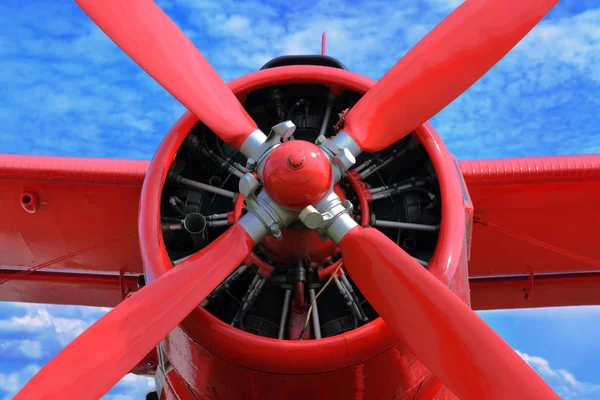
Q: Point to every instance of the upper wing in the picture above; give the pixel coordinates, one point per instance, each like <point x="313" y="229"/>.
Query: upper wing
<point x="535" y="232"/>
<point x="534" y="241"/>
<point x="81" y="245"/>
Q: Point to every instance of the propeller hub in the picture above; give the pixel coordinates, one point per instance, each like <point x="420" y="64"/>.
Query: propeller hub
<point x="297" y="174"/>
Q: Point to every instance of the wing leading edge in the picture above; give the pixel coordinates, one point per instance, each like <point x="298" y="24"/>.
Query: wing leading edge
<point x="534" y="238"/>
<point x="535" y="232"/>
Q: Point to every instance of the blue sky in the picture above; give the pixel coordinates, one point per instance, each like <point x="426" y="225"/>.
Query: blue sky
<point x="67" y="90"/>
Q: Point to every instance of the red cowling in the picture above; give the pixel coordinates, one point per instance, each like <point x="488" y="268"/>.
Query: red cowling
<point x="442" y="331"/>
<point x="143" y="31"/>
<point x="95" y="361"/>
<point x="453" y="56"/>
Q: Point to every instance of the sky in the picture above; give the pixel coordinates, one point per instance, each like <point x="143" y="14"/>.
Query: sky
<point x="67" y="90"/>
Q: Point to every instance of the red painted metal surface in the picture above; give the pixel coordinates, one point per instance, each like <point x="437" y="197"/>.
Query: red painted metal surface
<point x="213" y="359"/>
<point x="143" y="31"/>
<point x="175" y="388"/>
<point x="133" y="328"/>
<point x="448" y="337"/>
<point x="394" y="373"/>
<point x="291" y="361"/>
<point x="86" y="219"/>
<point x="446" y="263"/>
<point x="297" y="319"/>
<point x="445" y="63"/>
<point x="65" y="288"/>
<point x="508" y="171"/>
<point x="363" y="194"/>
<point x="578" y="289"/>
<point x="299" y="74"/>
<point x="533" y="214"/>
<point x="297" y="174"/>
<point x="72" y="170"/>
<point x="298" y="243"/>
<point x="148" y="365"/>
<point x="345" y="353"/>
<point x="29" y="202"/>
<point x="325" y="273"/>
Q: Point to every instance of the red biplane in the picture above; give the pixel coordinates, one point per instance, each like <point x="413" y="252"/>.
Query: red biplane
<point x="330" y="258"/>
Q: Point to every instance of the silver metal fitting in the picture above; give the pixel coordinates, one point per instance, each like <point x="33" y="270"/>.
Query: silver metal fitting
<point x="270" y="214"/>
<point x="282" y="130"/>
<point x="342" y="151"/>
<point x="275" y="137"/>
<point x="254" y="226"/>
<point x="343" y="141"/>
<point x="339" y="227"/>
<point x="313" y="219"/>
<point x="250" y="164"/>
<point x="323" y="217"/>
<point x="248" y="185"/>
<point x="329" y="217"/>
<point x="344" y="159"/>
<point x="253" y="143"/>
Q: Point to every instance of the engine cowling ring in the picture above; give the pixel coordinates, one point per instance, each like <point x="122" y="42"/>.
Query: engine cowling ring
<point x="291" y="357"/>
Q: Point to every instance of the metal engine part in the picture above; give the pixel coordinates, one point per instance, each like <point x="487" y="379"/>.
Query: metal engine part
<point x="267" y="295"/>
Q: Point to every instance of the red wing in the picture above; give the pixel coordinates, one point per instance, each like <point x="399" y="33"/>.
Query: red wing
<point x="81" y="245"/>
<point x="535" y="233"/>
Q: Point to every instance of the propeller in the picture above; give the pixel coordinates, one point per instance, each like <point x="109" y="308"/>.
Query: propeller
<point x="98" y="358"/>
<point x="448" y="337"/>
<point x="445" y="334"/>
<point x="147" y="35"/>
<point x="445" y="63"/>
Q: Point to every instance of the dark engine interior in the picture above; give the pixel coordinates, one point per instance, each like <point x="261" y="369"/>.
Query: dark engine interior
<point x="266" y="294"/>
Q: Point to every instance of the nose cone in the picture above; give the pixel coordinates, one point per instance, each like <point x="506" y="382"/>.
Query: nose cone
<point x="297" y="174"/>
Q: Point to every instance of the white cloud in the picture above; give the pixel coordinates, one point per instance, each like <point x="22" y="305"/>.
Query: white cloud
<point x="444" y="4"/>
<point x="31" y="348"/>
<point x="540" y="364"/>
<point x="522" y="106"/>
<point x="90" y="99"/>
<point x="137" y="380"/>
<point x="572" y="40"/>
<point x="11" y="382"/>
<point x="540" y="99"/>
<point x="66" y="329"/>
<point x="41" y="333"/>
<point x="118" y="397"/>
<point x="134" y="387"/>
<point x="248" y="34"/>
<point x="21" y="348"/>
<point x="562" y="381"/>
<point x="236" y="25"/>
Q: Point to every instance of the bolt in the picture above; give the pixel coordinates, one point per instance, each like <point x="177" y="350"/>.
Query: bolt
<point x="250" y="164"/>
<point x="320" y="140"/>
<point x="275" y="231"/>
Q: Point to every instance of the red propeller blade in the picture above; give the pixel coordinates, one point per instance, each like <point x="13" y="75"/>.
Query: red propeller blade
<point x="156" y="44"/>
<point x="460" y="50"/>
<point x="95" y="361"/>
<point x="443" y="332"/>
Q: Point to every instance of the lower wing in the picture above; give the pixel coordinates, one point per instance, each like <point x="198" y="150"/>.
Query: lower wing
<point x="535" y="232"/>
